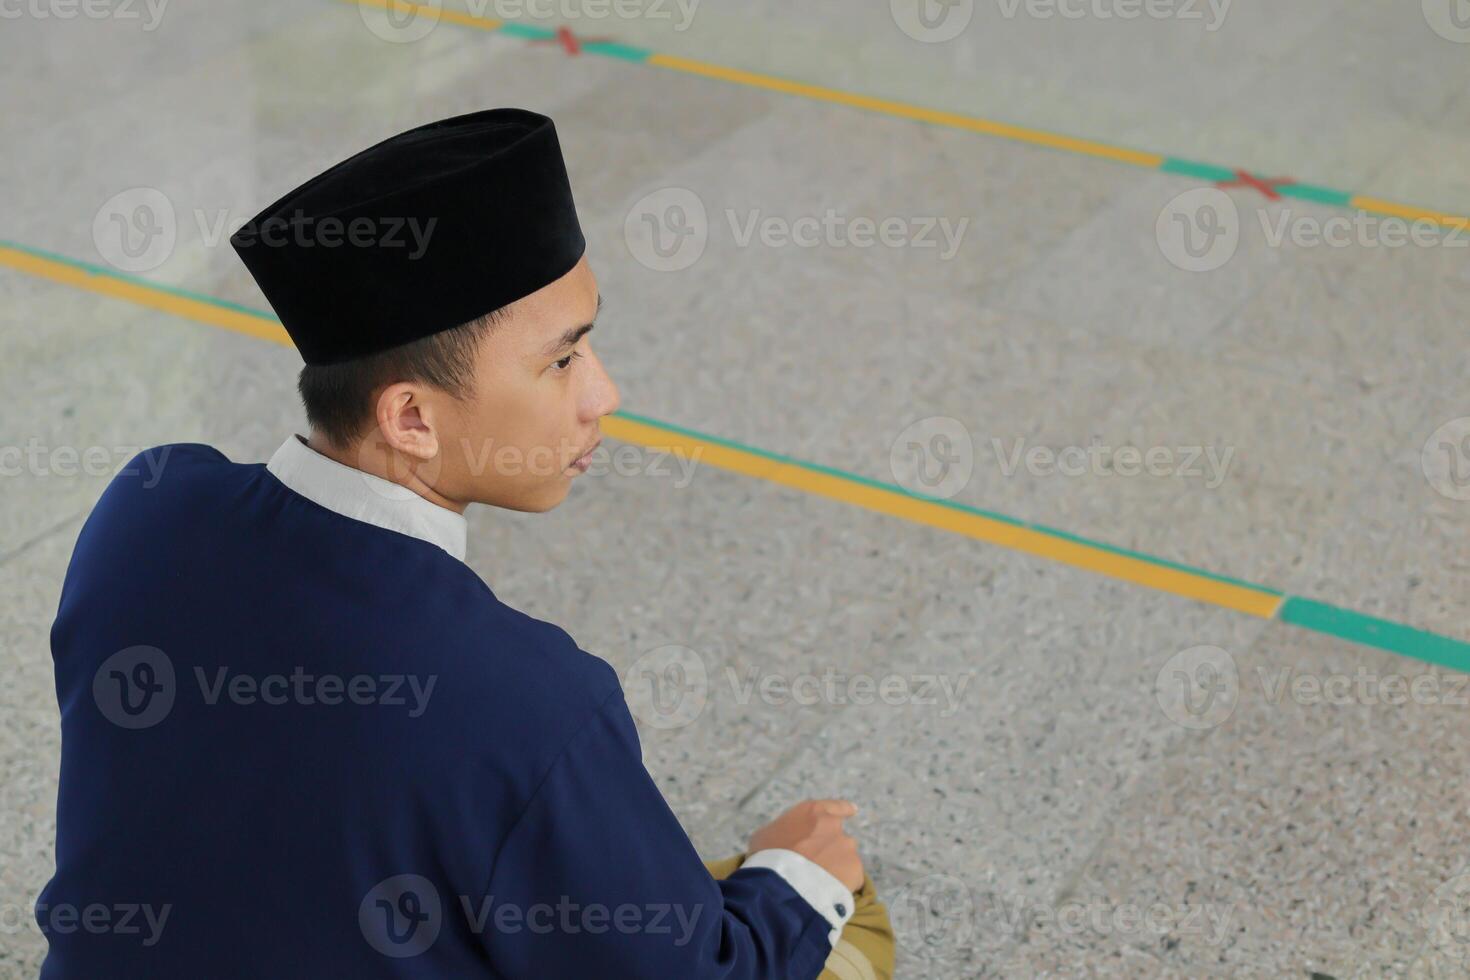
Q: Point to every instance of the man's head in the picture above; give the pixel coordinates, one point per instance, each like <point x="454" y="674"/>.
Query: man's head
<point x="449" y="360"/>
<point x="493" y="411"/>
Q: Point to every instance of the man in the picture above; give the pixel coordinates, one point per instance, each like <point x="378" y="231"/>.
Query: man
<point x="300" y="737"/>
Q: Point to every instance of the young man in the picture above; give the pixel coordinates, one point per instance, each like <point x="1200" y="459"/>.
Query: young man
<point x="301" y="738"/>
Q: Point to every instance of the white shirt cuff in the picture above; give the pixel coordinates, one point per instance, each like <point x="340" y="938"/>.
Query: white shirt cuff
<point x="814" y="883"/>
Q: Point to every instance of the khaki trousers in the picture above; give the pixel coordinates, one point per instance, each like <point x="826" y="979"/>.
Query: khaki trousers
<point x="865" y="950"/>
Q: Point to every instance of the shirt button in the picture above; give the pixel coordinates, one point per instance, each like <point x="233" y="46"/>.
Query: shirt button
<point x="841" y="910"/>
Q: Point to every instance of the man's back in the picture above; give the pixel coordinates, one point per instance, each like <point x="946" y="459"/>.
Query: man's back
<point x="300" y="743"/>
<point x="271" y="711"/>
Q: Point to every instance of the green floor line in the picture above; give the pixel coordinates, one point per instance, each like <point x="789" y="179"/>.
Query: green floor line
<point x="1374" y="632"/>
<point x="1309" y="614"/>
<point x="1085" y="146"/>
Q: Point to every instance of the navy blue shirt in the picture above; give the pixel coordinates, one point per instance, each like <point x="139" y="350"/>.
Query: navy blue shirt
<point x="295" y="744"/>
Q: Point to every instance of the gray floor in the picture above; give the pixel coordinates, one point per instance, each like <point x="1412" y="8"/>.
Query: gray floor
<point x="1055" y="819"/>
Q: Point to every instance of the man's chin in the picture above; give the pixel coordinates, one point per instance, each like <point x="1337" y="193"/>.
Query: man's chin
<point x="537" y="502"/>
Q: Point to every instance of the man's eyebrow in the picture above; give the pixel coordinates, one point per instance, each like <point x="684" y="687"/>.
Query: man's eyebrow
<point x="570" y="338"/>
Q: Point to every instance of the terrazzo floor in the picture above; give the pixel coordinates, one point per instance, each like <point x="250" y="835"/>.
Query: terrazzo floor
<point x="1038" y="802"/>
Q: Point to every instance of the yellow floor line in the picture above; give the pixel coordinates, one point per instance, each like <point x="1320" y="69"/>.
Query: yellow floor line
<point x="906" y="111"/>
<point x="845" y="489"/>
<point x="198" y="310"/>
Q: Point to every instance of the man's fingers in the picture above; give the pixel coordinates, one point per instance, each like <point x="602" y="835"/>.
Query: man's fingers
<point x="837" y="808"/>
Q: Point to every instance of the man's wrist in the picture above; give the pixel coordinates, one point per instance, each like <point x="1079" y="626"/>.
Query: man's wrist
<point x="817" y="886"/>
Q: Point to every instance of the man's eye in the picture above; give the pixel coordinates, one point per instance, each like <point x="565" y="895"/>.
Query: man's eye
<point x="566" y="362"/>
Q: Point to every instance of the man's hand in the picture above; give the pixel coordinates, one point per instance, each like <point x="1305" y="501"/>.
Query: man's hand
<point x="813" y="829"/>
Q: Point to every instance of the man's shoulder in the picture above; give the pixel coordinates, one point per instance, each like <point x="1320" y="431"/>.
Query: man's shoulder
<point x="154" y="458"/>
<point x="168" y="465"/>
<point x="532" y="665"/>
<point x="156" y="487"/>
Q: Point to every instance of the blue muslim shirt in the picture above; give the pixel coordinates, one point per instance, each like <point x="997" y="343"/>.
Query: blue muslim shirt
<point x="301" y="738"/>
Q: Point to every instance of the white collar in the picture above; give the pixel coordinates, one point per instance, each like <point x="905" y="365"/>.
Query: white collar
<point x="365" y="497"/>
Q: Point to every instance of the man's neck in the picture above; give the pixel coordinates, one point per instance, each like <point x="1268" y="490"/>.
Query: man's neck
<point x="386" y="463"/>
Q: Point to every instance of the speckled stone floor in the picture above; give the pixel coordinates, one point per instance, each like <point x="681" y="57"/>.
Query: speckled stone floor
<point x="1037" y="800"/>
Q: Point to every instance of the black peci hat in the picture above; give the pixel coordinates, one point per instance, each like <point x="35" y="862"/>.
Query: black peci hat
<point x="419" y="233"/>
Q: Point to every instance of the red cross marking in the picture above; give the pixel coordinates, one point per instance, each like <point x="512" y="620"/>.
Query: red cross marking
<point x="568" y="40"/>
<point x="1266" y="185"/>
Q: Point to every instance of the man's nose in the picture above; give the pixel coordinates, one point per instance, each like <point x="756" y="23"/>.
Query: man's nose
<point x="607" y="397"/>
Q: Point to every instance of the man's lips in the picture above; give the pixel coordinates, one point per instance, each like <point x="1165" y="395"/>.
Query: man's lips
<point x="583" y="460"/>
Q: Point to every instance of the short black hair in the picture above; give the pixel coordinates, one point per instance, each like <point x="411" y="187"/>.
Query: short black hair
<point x="338" y="397"/>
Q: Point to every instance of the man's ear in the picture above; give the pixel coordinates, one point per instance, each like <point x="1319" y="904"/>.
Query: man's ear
<point x="407" y="421"/>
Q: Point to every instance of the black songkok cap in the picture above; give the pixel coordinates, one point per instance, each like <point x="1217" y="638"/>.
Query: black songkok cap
<point x="419" y="233"/>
